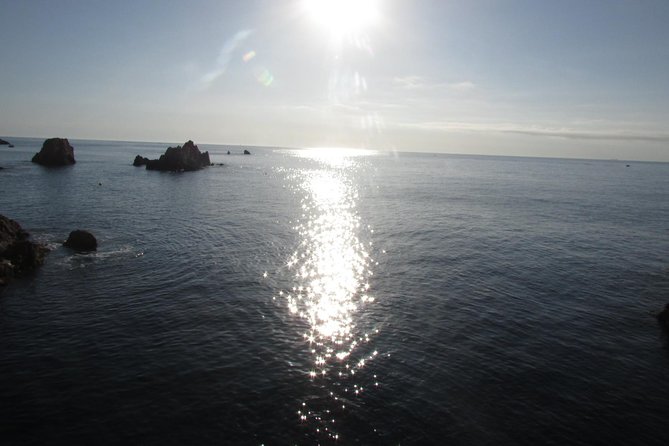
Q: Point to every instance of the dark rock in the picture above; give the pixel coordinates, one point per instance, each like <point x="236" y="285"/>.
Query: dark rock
<point x="18" y="255"/>
<point x="4" y="143"/>
<point x="10" y="146"/>
<point x="181" y="158"/>
<point x="228" y="152"/>
<point x="55" y="152"/>
<point x="10" y="231"/>
<point x="246" y="152"/>
<point x="140" y="161"/>
<point x="663" y="319"/>
<point x="80" y="240"/>
<point x="25" y="255"/>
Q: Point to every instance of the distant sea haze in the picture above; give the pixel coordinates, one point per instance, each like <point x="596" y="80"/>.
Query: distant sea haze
<point x="336" y="297"/>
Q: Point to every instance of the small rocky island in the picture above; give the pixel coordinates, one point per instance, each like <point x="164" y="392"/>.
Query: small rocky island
<point x="18" y="255"/>
<point x="4" y="143"/>
<point x="55" y="152"/>
<point x="177" y="159"/>
<point x="140" y="161"/>
<point x="81" y="240"/>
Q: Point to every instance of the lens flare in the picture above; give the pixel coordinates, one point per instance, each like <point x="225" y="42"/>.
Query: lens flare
<point x="263" y="76"/>
<point x="248" y="56"/>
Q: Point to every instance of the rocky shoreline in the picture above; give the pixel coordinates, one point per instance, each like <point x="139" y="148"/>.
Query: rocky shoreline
<point x="18" y="255"/>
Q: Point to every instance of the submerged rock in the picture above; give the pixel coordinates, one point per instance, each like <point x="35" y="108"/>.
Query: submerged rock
<point x="246" y="152"/>
<point x="55" y="152"/>
<point x="181" y="158"/>
<point x="663" y="318"/>
<point x="81" y="240"/>
<point x="140" y="161"/>
<point x="18" y="255"/>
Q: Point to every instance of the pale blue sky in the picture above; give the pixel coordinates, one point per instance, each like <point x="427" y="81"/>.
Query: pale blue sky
<point x="586" y="79"/>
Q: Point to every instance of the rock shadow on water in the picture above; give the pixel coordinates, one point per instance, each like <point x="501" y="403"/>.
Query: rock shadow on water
<point x="663" y="321"/>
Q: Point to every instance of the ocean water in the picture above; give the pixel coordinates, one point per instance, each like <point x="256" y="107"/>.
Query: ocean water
<point x="312" y="297"/>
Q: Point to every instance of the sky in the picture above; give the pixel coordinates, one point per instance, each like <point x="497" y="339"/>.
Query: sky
<point x="568" y="78"/>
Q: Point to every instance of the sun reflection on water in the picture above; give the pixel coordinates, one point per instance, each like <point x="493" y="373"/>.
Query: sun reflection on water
<point x="332" y="267"/>
<point x="332" y="264"/>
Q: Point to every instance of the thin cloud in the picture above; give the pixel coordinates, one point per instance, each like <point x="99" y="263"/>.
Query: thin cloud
<point x="541" y="132"/>
<point x="595" y="135"/>
<point x="462" y="86"/>
<point x="413" y="82"/>
<point x="409" y="82"/>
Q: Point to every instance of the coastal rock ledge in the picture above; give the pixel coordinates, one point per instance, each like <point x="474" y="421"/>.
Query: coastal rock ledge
<point x="55" y="152"/>
<point x="177" y="159"/>
<point x="18" y="255"/>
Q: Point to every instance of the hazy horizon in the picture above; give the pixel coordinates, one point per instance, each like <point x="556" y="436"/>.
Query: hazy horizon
<point x="341" y="150"/>
<point x="502" y="78"/>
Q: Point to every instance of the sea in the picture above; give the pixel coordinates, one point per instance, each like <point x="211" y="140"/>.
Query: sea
<point x="332" y="296"/>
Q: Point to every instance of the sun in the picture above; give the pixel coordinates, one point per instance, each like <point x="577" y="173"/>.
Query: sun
<point x="343" y="17"/>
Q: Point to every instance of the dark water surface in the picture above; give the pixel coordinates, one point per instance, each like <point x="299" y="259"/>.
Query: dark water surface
<point x="305" y="297"/>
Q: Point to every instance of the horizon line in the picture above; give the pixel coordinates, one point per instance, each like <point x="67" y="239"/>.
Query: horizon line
<point x="383" y="150"/>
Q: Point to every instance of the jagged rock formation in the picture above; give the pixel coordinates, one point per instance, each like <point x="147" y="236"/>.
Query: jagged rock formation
<point x="55" y="152"/>
<point x="246" y="152"/>
<point x="140" y="161"/>
<point x="179" y="159"/>
<point x="18" y="255"/>
<point x="81" y="240"/>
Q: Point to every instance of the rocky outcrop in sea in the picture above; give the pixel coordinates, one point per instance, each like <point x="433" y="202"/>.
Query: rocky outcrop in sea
<point x="55" y="152"/>
<point x="140" y="161"/>
<point x="18" y="255"/>
<point x="4" y="143"/>
<point x="178" y="159"/>
<point x="81" y="240"/>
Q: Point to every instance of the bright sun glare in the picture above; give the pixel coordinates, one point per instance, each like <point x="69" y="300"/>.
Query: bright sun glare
<point x="343" y="17"/>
